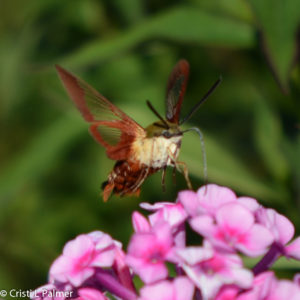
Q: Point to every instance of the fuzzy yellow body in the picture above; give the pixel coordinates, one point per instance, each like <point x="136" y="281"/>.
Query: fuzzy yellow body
<point x="156" y="152"/>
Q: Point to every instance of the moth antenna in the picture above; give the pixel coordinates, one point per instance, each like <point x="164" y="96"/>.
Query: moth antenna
<point x="202" y="149"/>
<point x="204" y="98"/>
<point x="157" y="114"/>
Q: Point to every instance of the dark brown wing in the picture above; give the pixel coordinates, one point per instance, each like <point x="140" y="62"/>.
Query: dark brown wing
<point x="176" y="89"/>
<point x="111" y="127"/>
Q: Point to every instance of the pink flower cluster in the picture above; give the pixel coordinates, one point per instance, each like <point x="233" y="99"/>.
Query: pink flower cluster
<point x="227" y="228"/>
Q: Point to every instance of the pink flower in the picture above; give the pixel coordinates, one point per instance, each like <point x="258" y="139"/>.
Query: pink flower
<point x="267" y="287"/>
<point x="280" y="226"/>
<point x="122" y="270"/>
<point x="283" y="289"/>
<point x="179" y="289"/>
<point x="90" y="294"/>
<point x="228" y="292"/>
<point x="147" y="252"/>
<point x="234" y="228"/>
<point x="293" y="249"/>
<point x="140" y="223"/>
<point x="249" y="203"/>
<point x="210" y="270"/>
<point x="172" y="213"/>
<point x="81" y="256"/>
<point x="93" y="264"/>
<point x="207" y="199"/>
<point x="297" y="279"/>
<point x="261" y="287"/>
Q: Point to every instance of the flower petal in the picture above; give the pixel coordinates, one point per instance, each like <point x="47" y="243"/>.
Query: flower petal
<point x="173" y="214"/>
<point x="256" y="242"/>
<point x="281" y="227"/>
<point x="104" y="258"/>
<point x="184" y="289"/>
<point x="204" y="225"/>
<point x="59" y="268"/>
<point x="190" y="202"/>
<point x="242" y="277"/>
<point x="234" y="218"/>
<point x="148" y="272"/>
<point x="154" y="207"/>
<point x="160" y="291"/>
<point x="80" y="246"/>
<point x="77" y="277"/>
<point x="249" y="203"/>
<point x="141" y="245"/>
<point x="194" y="255"/>
<point x="140" y="223"/>
<point x="212" y="196"/>
<point x="293" y="249"/>
<point x="285" y="289"/>
<point x="90" y="294"/>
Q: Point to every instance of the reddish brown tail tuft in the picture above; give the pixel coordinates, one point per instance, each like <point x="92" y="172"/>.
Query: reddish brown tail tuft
<point x="108" y="188"/>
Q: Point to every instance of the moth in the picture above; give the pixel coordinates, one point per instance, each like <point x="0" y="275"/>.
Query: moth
<point x="138" y="152"/>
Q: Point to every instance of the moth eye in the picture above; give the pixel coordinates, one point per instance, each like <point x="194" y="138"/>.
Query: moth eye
<point x="166" y="134"/>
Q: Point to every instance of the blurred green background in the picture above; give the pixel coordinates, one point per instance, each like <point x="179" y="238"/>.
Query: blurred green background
<point x="51" y="168"/>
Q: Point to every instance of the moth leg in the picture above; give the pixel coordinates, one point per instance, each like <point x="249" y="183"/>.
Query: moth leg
<point x="140" y="180"/>
<point x="185" y="173"/>
<point x="163" y="176"/>
<point x="184" y="169"/>
<point x="173" y="160"/>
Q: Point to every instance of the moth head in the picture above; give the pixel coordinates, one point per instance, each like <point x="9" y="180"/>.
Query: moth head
<point x="163" y="128"/>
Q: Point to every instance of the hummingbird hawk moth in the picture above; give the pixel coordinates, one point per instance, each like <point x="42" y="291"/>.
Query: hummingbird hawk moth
<point x="139" y="152"/>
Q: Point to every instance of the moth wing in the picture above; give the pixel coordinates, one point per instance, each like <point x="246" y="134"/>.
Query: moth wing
<point x="111" y="127"/>
<point x="176" y="89"/>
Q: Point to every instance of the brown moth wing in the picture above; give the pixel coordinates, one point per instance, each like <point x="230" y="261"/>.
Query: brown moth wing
<point x="176" y="89"/>
<point x="111" y="127"/>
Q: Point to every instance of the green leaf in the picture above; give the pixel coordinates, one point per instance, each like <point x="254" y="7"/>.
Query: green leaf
<point x="292" y="149"/>
<point x="14" y="52"/>
<point x="132" y="10"/>
<point x="268" y="137"/>
<point x="286" y="264"/>
<point x="202" y="27"/>
<point x="238" y="9"/>
<point x="278" y="21"/>
<point x="280" y="264"/>
<point x="39" y="155"/>
<point x="199" y="28"/>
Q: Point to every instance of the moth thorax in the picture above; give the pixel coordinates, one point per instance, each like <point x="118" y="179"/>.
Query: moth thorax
<point x="157" y="152"/>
